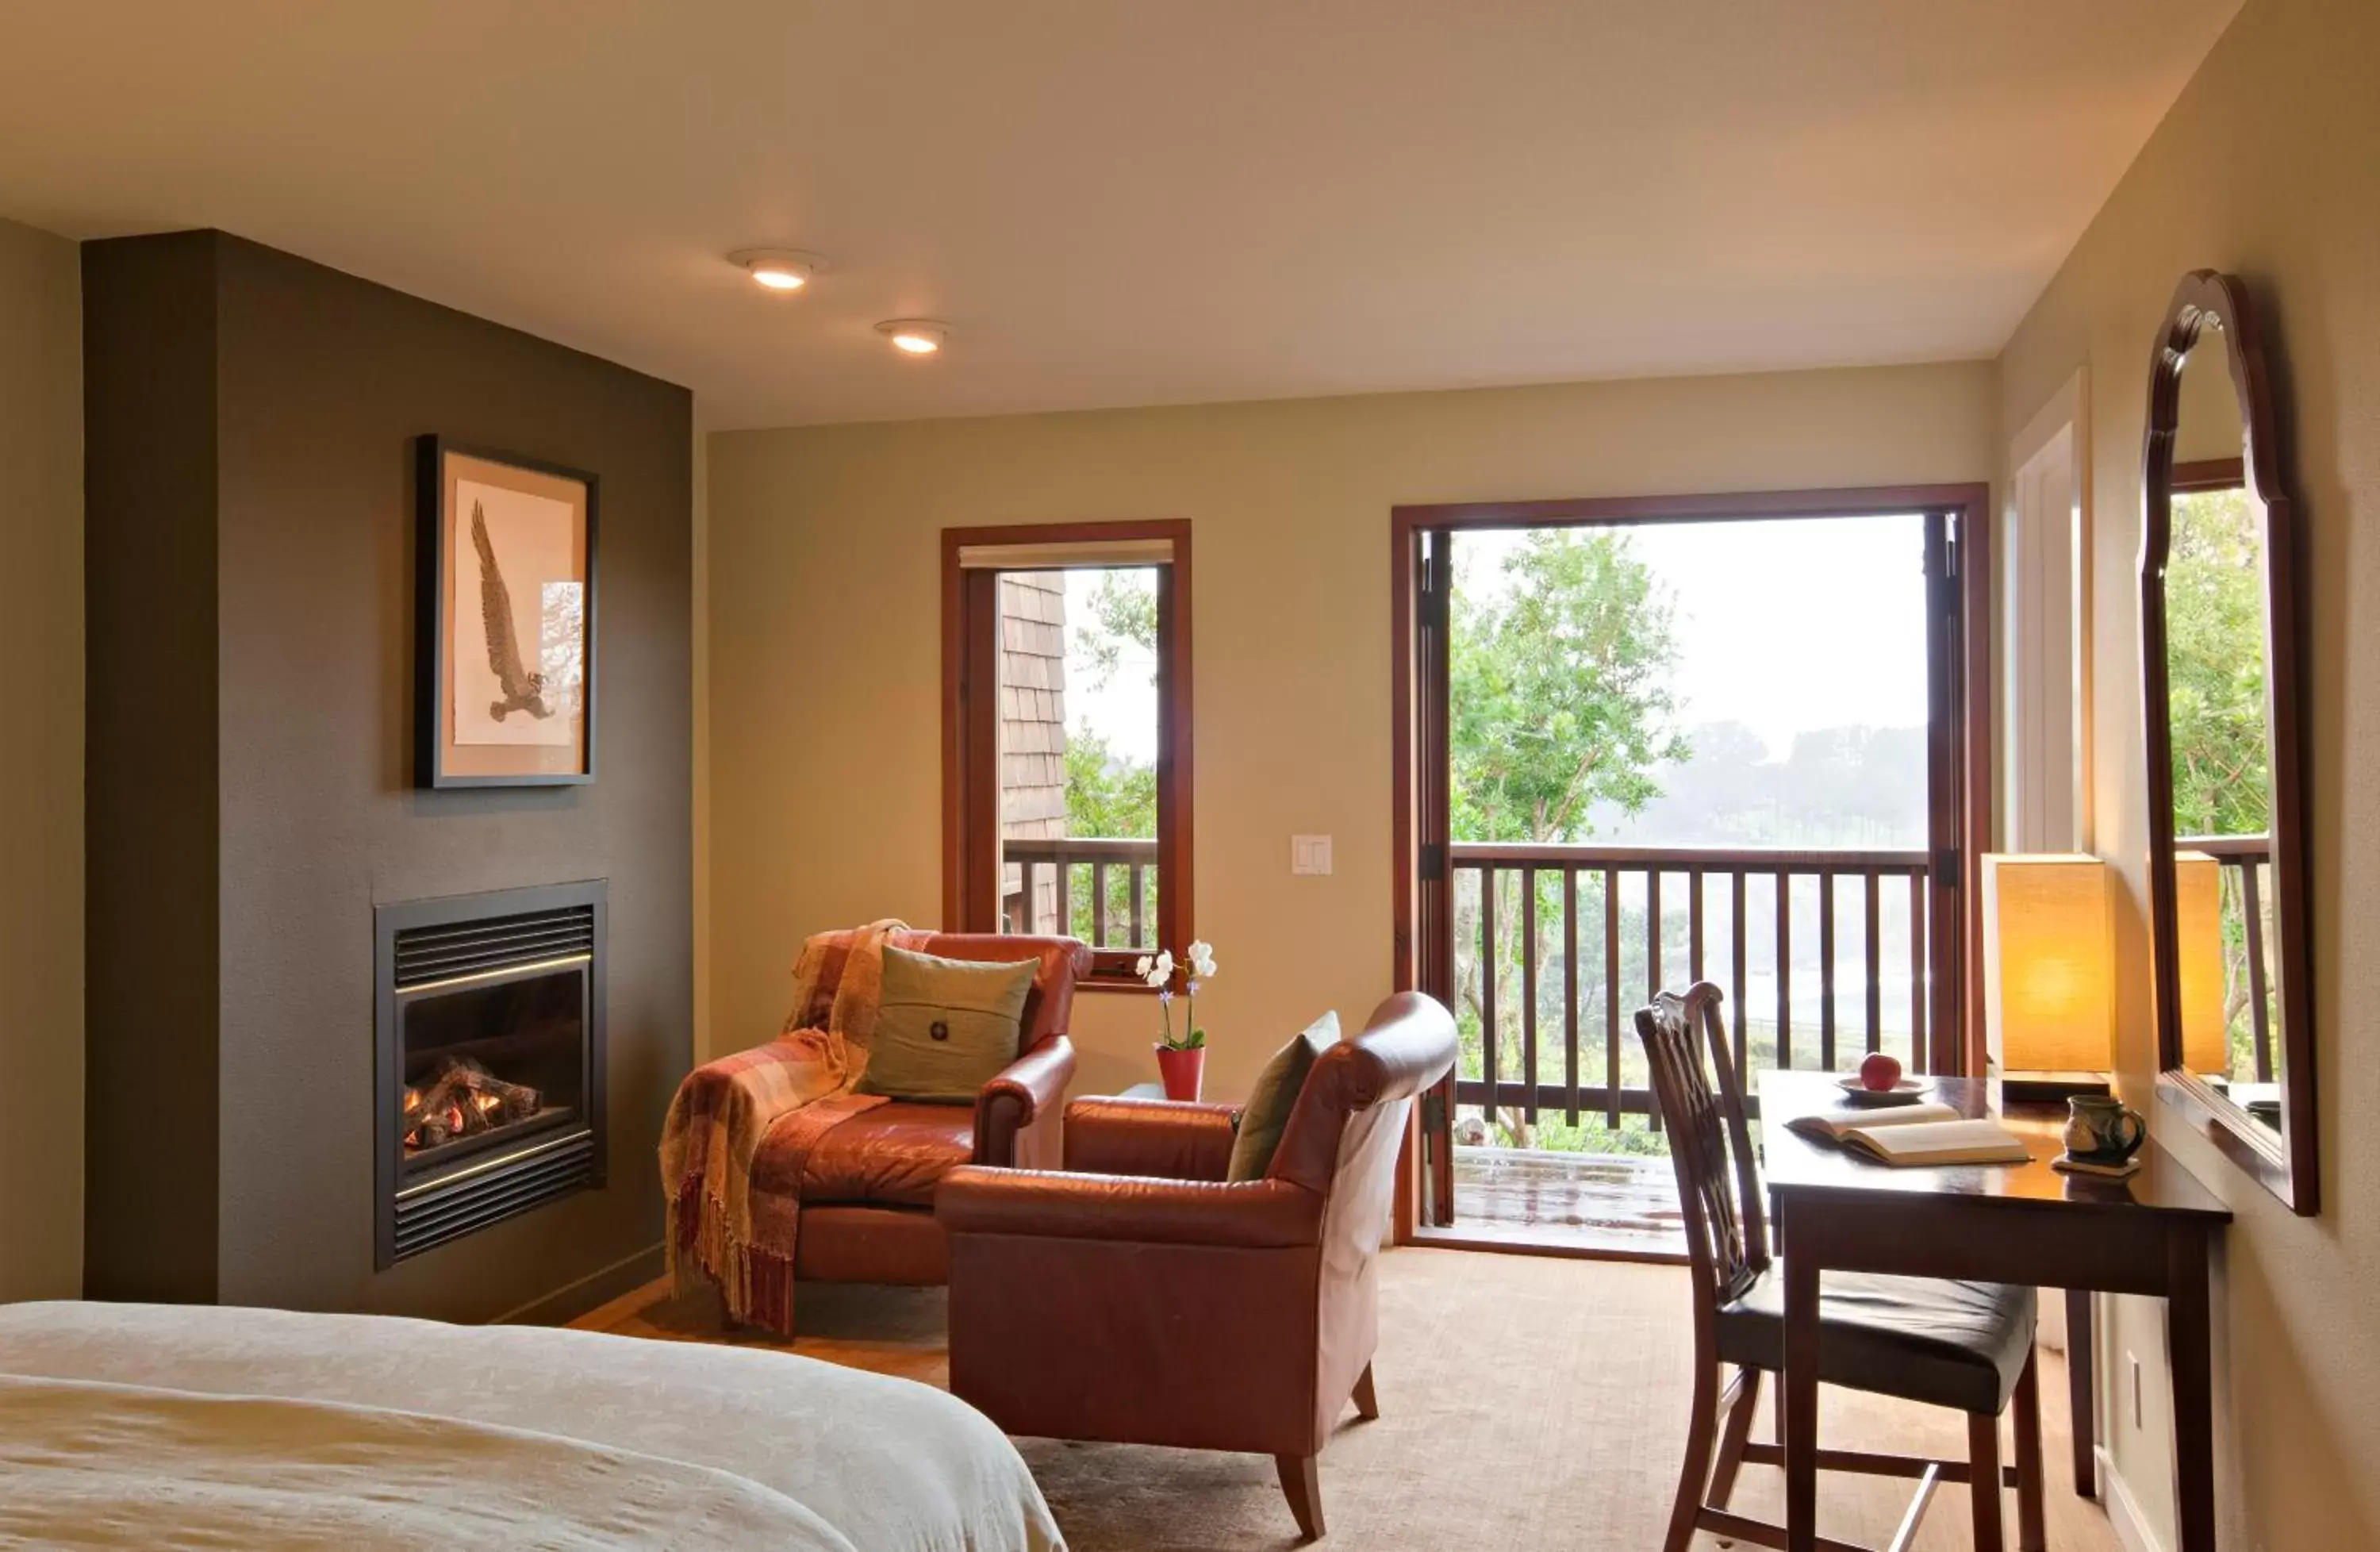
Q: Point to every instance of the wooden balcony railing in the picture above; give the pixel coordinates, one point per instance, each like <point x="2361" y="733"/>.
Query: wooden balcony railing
<point x="1114" y="881"/>
<point x="2243" y="859"/>
<point x="1663" y="917"/>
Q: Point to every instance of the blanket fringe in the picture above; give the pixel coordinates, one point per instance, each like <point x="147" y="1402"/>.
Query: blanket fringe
<point x="755" y="1286"/>
<point x="726" y="1229"/>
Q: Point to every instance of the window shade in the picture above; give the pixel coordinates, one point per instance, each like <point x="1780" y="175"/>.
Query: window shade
<point x="1049" y="557"/>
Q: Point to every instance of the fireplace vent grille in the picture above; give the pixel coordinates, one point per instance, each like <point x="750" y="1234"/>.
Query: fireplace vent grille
<point x="460" y="1204"/>
<point x="507" y="986"/>
<point x="426" y="955"/>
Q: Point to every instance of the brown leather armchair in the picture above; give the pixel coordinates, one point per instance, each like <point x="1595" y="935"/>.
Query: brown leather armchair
<point x="868" y="1186"/>
<point x="1138" y="1299"/>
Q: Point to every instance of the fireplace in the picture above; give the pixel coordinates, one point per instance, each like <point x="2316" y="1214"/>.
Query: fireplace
<point x="490" y="1073"/>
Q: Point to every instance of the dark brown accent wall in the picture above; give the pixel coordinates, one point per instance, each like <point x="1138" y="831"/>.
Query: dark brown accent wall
<point x="149" y="771"/>
<point x="250" y="417"/>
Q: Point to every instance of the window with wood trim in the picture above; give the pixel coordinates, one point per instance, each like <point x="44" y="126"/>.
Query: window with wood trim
<point x="1066" y="736"/>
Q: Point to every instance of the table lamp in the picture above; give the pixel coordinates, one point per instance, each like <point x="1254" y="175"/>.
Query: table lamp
<point x="2048" y="968"/>
<point x="2198" y="933"/>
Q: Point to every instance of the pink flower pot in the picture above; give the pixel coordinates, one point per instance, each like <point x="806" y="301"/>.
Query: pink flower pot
<point x="1185" y="1072"/>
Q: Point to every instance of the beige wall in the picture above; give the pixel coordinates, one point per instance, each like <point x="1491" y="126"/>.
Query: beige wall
<point x="703" y="1048"/>
<point x="40" y="766"/>
<point x="825" y="732"/>
<point x="2266" y="166"/>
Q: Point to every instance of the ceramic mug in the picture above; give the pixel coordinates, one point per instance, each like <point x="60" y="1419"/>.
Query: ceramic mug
<point x="2103" y="1129"/>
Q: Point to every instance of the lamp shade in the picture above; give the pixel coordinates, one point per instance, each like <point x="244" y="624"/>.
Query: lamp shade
<point x="2048" y="964"/>
<point x="2198" y="933"/>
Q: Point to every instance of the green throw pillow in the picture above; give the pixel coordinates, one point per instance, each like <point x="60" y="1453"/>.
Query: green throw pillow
<point x="1266" y="1115"/>
<point x="945" y="1027"/>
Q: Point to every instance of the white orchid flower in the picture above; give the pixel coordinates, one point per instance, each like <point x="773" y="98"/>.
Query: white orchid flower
<point x="1161" y="971"/>
<point x="1141" y="969"/>
<point x="1202" y="958"/>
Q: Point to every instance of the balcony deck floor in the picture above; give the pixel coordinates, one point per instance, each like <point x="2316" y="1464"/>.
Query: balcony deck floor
<point x="1574" y="1204"/>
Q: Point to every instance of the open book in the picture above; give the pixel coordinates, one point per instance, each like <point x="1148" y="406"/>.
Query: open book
<point x="1917" y="1135"/>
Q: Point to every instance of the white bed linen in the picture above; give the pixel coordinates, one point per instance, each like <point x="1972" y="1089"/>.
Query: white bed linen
<point x="587" y="1429"/>
<point x="89" y="1465"/>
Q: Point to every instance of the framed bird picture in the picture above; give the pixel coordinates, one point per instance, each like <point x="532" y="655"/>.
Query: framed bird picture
<point x="504" y="687"/>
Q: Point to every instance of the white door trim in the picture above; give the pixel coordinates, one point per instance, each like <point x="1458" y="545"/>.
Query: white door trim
<point x="2046" y="622"/>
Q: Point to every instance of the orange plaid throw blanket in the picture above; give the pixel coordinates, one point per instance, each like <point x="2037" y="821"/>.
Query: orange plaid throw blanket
<point x="726" y="1226"/>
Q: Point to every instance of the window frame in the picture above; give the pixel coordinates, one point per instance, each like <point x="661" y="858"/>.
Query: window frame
<point x="971" y="729"/>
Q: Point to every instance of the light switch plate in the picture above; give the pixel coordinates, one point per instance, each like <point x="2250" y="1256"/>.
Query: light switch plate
<point x="1310" y="854"/>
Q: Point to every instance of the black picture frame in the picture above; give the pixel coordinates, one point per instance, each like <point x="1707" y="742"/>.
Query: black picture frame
<point x="434" y="767"/>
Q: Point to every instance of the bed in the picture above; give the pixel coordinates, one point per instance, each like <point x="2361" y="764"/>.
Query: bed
<point x="161" y="1425"/>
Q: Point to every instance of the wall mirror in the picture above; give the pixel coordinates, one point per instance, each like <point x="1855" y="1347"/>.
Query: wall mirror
<point x="2219" y="695"/>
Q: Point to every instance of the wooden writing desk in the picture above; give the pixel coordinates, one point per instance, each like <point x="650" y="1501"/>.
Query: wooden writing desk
<point x="2021" y="1223"/>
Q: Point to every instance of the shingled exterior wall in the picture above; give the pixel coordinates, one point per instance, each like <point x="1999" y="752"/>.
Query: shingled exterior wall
<point x="1033" y="725"/>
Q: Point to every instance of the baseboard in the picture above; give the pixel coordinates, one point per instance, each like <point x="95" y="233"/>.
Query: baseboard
<point x="2123" y="1509"/>
<point x="595" y="1290"/>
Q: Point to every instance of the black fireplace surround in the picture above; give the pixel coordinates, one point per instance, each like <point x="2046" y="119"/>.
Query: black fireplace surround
<point x="488" y="1060"/>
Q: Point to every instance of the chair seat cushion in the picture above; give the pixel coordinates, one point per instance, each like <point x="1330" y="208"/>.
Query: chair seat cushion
<point x="892" y="1156"/>
<point x="1950" y="1344"/>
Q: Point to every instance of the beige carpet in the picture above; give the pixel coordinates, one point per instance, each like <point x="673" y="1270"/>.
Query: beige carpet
<point x="1527" y="1403"/>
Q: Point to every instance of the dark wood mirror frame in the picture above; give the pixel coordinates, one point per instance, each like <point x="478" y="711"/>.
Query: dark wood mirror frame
<point x="2284" y="1163"/>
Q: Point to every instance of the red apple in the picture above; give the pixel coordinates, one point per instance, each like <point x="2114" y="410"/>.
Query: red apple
<point x="1881" y="1072"/>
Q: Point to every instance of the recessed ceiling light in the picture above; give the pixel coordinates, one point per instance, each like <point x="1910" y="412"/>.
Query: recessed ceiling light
<point x="918" y="336"/>
<point x="779" y="269"/>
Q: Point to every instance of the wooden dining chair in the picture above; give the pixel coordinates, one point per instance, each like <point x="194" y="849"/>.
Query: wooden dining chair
<point x="1964" y="1345"/>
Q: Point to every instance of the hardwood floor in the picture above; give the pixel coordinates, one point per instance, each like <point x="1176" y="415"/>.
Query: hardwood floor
<point x="1526" y="1403"/>
<point x="898" y="1331"/>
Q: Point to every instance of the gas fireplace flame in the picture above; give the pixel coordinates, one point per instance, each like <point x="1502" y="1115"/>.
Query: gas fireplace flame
<point x="464" y="1100"/>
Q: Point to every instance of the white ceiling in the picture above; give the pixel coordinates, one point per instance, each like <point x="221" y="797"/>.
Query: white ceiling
<point x="1126" y="202"/>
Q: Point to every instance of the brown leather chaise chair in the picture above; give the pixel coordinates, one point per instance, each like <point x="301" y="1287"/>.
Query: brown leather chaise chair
<point x="1139" y="1299"/>
<point x="867" y="1185"/>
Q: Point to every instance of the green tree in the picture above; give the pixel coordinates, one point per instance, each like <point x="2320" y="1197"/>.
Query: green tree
<point x="1107" y="795"/>
<point x="2215" y="667"/>
<point x="2214" y="686"/>
<point x="1560" y="700"/>
<point x="1124" y="615"/>
<point x="1560" y="688"/>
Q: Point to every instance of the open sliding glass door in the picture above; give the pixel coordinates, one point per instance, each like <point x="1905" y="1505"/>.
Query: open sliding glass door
<point x="1958" y="786"/>
<point x="1426" y="951"/>
<point x="1937" y="883"/>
